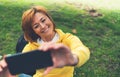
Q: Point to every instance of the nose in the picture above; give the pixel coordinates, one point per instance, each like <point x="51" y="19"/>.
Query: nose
<point x="42" y="25"/>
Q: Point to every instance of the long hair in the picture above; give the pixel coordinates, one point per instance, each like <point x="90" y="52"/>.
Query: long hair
<point x="27" y="19"/>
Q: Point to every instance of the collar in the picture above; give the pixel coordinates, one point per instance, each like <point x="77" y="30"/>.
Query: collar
<point x="55" y="39"/>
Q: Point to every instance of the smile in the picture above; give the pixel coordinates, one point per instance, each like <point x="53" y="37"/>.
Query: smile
<point x="44" y="31"/>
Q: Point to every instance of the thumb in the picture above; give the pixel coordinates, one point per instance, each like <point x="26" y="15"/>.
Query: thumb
<point x="48" y="69"/>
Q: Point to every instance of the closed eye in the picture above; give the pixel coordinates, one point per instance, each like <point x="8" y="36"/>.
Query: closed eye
<point x="36" y="26"/>
<point x="42" y="20"/>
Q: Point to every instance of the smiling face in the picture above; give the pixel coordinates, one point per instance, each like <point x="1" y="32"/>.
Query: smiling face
<point x="42" y="25"/>
<point x="37" y="23"/>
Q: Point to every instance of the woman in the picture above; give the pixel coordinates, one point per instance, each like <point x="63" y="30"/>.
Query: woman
<point x="67" y="50"/>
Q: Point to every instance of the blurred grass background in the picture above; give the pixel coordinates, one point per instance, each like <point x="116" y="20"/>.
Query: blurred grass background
<point x="95" y="22"/>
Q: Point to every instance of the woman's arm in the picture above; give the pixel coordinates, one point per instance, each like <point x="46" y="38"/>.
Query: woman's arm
<point x="4" y="72"/>
<point x="78" y="49"/>
<point x="61" y="55"/>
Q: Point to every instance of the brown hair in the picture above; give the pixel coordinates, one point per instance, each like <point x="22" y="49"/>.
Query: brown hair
<point x="27" y="19"/>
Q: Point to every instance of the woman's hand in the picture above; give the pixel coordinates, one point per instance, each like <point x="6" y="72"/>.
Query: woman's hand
<point x="61" y="55"/>
<point x="4" y="72"/>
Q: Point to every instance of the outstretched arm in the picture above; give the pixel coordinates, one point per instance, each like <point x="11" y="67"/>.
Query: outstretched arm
<point x="61" y="55"/>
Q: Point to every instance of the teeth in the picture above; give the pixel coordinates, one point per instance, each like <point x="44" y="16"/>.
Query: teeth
<point x="43" y="31"/>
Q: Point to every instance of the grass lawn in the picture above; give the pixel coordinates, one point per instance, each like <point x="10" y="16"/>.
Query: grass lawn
<point x="97" y="24"/>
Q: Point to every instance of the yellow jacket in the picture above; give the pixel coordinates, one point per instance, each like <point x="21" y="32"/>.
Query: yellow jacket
<point x="76" y="47"/>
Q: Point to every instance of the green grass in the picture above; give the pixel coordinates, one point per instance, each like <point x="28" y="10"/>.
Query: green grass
<point x="101" y="33"/>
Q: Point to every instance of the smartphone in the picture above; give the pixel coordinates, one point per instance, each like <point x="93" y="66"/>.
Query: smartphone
<point x="29" y="61"/>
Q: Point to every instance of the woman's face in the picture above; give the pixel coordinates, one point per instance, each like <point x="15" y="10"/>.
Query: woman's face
<point x="42" y="25"/>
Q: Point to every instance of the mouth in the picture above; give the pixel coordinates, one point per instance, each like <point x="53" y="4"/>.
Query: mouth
<point x="44" y="30"/>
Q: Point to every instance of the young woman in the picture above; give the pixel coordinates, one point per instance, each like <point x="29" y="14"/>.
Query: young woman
<point x="67" y="49"/>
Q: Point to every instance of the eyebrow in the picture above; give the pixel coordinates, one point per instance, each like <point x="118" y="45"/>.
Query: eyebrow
<point x="40" y="20"/>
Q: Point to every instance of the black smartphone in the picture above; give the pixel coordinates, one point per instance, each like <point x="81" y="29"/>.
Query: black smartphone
<point x="26" y="62"/>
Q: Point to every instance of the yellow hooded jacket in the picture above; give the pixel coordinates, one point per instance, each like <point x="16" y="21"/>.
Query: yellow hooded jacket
<point x="76" y="47"/>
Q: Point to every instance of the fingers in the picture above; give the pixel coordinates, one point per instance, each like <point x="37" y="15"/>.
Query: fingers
<point x="45" y="46"/>
<point x="3" y="64"/>
<point x="48" y="69"/>
<point x="49" y="46"/>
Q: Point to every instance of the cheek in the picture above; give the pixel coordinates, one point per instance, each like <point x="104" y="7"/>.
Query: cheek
<point x="49" y="22"/>
<point x="51" y="25"/>
<point x="37" y="31"/>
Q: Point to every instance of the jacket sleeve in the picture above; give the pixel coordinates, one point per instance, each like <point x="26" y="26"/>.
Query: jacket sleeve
<point x="79" y="49"/>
